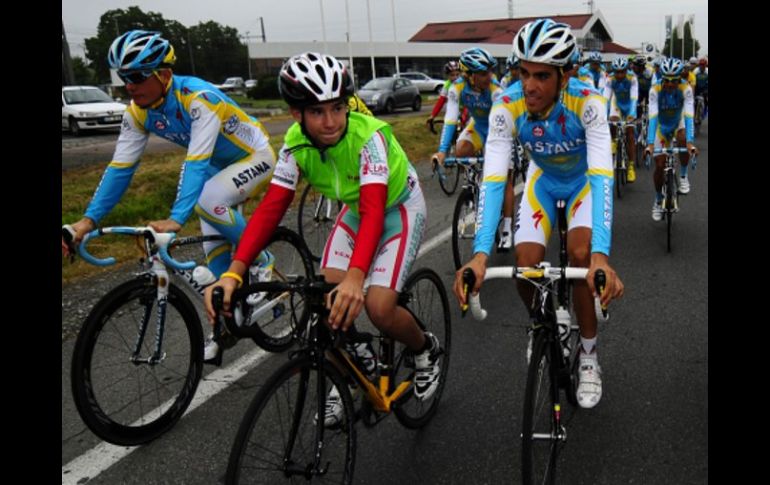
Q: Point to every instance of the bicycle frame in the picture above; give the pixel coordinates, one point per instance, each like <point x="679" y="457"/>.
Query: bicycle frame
<point x="156" y="247"/>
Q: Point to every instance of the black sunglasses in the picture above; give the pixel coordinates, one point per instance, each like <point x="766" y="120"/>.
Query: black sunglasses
<point x="135" y="77"/>
<point x="671" y="79"/>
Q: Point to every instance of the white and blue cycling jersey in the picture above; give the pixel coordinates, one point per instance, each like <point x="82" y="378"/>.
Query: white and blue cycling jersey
<point x="623" y="95"/>
<point x="228" y="160"/>
<point x="670" y="111"/>
<point x="570" y="152"/>
<point x="462" y="94"/>
<point x="195" y="115"/>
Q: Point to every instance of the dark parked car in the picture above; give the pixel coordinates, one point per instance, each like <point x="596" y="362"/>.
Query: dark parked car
<point x="384" y="94"/>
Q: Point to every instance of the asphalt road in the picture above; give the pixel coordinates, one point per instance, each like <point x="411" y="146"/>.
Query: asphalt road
<point x="651" y="426"/>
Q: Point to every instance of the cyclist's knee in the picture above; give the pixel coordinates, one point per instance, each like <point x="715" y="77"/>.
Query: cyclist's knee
<point x="580" y="256"/>
<point x="381" y="313"/>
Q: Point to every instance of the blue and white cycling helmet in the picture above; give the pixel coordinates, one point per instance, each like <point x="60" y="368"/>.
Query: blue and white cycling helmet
<point x="512" y="62"/>
<point x="620" y="64"/>
<point x="546" y="42"/>
<point x="476" y="59"/>
<point x="140" y="50"/>
<point x="594" y="57"/>
<point x="671" y="66"/>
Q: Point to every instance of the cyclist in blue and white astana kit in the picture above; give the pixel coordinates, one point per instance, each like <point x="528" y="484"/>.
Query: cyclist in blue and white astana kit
<point x="671" y="115"/>
<point x="228" y="156"/>
<point x="477" y="90"/>
<point x="623" y="92"/>
<point x="562" y="123"/>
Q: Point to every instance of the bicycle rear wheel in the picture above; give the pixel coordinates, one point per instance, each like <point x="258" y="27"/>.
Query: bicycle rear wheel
<point x="279" y="322"/>
<point x="128" y="403"/>
<point x="463" y="227"/>
<point x="280" y="435"/>
<point x="428" y="302"/>
<point x="541" y="436"/>
<point x="315" y="219"/>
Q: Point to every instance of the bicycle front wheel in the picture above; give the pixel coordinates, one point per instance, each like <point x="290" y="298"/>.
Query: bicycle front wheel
<point x="463" y="228"/>
<point x="451" y="177"/>
<point x="671" y="203"/>
<point x="129" y="402"/>
<point x="279" y="317"/>
<point x="427" y="301"/>
<point x="619" y="172"/>
<point x="316" y="218"/>
<point x="541" y="436"/>
<point x="281" y="439"/>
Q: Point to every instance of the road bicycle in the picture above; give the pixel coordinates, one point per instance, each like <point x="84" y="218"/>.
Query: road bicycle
<point x="281" y="437"/>
<point x="138" y="357"/>
<point x="553" y="359"/>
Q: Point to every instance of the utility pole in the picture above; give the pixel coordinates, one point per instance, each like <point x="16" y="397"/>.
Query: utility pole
<point x="262" y="24"/>
<point x="350" y="49"/>
<point x="323" y="27"/>
<point x="67" y="72"/>
<point x="117" y="29"/>
<point x="395" y="41"/>
<point x="371" y="46"/>
<point x="510" y="9"/>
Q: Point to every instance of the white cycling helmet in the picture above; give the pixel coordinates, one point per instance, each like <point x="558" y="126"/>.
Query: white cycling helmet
<point x="545" y="41"/>
<point x="313" y="78"/>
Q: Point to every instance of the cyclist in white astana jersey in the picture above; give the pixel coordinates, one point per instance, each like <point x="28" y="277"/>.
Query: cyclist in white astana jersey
<point x="228" y="156"/>
<point x="562" y="124"/>
<point x="228" y="160"/>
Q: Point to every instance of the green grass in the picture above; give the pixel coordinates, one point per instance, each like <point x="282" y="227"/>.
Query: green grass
<point x="259" y="103"/>
<point x="152" y="191"/>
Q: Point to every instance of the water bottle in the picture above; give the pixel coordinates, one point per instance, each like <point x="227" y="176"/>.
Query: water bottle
<point x="202" y="277"/>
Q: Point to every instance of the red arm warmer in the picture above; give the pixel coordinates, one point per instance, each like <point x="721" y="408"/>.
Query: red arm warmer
<point x="437" y="107"/>
<point x="372" y="210"/>
<point x="263" y="222"/>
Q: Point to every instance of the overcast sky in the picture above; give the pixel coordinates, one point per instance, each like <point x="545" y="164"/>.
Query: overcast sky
<point x="631" y="21"/>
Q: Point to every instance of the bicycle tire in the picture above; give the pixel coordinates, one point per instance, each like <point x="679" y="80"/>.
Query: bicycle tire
<point x="618" y="173"/>
<point x="671" y="190"/>
<point x="429" y="303"/>
<point x="260" y="433"/>
<point x="315" y="229"/>
<point x="538" y="457"/>
<point x="97" y="392"/>
<point x="464" y="206"/>
<point x="278" y="331"/>
<point x="451" y="176"/>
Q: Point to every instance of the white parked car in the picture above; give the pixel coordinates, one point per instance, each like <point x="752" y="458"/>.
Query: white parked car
<point x="232" y="85"/>
<point x="89" y="108"/>
<point x="423" y="82"/>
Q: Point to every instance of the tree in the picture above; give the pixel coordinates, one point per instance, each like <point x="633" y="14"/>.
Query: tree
<point x="218" y="52"/>
<point x="83" y="73"/>
<point x="214" y="50"/>
<point x="676" y="39"/>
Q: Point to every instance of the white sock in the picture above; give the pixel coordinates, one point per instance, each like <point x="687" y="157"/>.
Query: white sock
<point x="588" y="344"/>
<point x="507" y="224"/>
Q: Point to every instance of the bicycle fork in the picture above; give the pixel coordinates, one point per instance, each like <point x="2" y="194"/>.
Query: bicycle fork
<point x="162" y="282"/>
